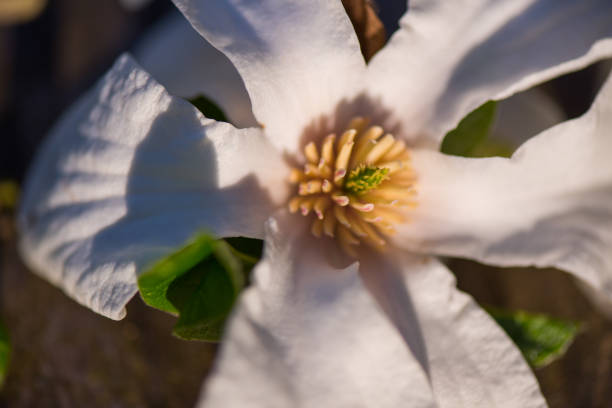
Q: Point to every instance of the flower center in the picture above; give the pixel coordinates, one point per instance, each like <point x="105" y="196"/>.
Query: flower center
<point x="357" y="187"/>
<point x="365" y="178"/>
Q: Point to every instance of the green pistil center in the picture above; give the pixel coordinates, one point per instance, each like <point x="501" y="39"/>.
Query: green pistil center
<point x="365" y="178"/>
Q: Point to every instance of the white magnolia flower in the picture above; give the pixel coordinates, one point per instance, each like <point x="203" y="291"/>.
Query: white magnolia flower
<point x="131" y="173"/>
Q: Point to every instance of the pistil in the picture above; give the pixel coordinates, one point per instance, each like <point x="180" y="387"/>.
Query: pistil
<point x="357" y="187"/>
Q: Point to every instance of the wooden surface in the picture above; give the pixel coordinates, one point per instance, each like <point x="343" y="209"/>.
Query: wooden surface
<point x="64" y="355"/>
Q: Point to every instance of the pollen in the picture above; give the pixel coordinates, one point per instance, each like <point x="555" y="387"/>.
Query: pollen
<point x="355" y="188"/>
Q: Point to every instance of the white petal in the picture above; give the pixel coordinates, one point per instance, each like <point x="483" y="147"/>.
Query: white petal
<point x="310" y="335"/>
<point x="470" y="361"/>
<point x="129" y="174"/>
<point x="550" y="205"/>
<point x="297" y="58"/>
<point x="449" y="57"/>
<point x="186" y="65"/>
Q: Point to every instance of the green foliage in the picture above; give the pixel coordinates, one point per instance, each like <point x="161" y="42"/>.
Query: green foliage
<point x="154" y="283"/>
<point x="365" y="178"/>
<point x="200" y="283"/>
<point x="210" y="109"/>
<point x="248" y="250"/>
<point x="249" y="246"/>
<point x="491" y="148"/>
<point x="541" y="339"/>
<point x="205" y="295"/>
<point x="471" y="131"/>
<point x="5" y="353"/>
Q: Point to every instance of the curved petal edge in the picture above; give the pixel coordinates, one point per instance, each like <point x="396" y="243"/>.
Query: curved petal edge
<point x="128" y="175"/>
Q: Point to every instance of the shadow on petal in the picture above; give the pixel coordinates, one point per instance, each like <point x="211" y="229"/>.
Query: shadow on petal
<point x="173" y="193"/>
<point x="384" y="279"/>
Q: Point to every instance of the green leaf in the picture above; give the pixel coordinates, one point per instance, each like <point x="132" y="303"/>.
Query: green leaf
<point x="249" y="246"/>
<point x="541" y="339"/>
<point x="154" y="283"/>
<point x="205" y="295"/>
<point x="471" y="131"/>
<point x="248" y="250"/>
<point x="491" y="148"/>
<point x="200" y="283"/>
<point x="210" y="109"/>
<point x="5" y="353"/>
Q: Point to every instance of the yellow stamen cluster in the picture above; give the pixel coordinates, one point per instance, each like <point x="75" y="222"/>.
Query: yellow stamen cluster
<point x="357" y="187"/>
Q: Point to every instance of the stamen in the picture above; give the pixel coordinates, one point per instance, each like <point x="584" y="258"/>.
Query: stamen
<point x="358" y="186"/>
<point x="329" y="225"/>
<point x="372" y="235"/>
<point x="294" y="204"/>
<point x="368" y="138"/>
<point x="356" y="226"/>
<point x="295" y="176"/>
<point x="358" y="123"/>
<point x="380" y="149"/>
<point x="344" y="155"/>
<point x="347" y="241"/>
<point x="385" y="229"/>
<point x="311" y="170"/>
<point x="341" y="200"/>
<point x="326" y="186"/>
<point x="392" y="166"/>
<point x="405" y="177"/>
<point x="340" y="214"/>
<point x="321" y="205"/>
<point x="311" y="153"/>
<point x="390" y="215"/>
<point x="317" y="228"/>
<point x="327" y="151"/>
<point x="339" y="175"/>
<point x="347" y="137"/>
<point x="359" y="206"/>
<point x="313" y="186"/>
<point x="306" y="205"/>
<point x="398" y="147"/>
<point x="324" y="170"/>
<point x="361" y="152"/>
<point x="386" y="194"/>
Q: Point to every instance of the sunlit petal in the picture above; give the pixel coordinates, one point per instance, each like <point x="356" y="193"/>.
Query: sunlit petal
<point x="469" y="359"/>
<point x="549" y="205"/>
<point x="128" y="175"/>
<point x="186" y="65"/>
<point x="308" y="334"/>
<point x="449" y="57"/>
<point x="297" y="58"/>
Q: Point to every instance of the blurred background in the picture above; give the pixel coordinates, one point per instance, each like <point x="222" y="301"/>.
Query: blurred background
<point x="67" y="356"/>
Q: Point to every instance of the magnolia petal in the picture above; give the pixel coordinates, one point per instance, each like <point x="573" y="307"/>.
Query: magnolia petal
<point x="297" y="58"/>
<point x="469" y="359"/>
<point x="309" y="335"/>
<point x="549" y="205"/>
<point x="449" y="57"/>
<point x="128" y="175"/>
<point x="186" y="65"/>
